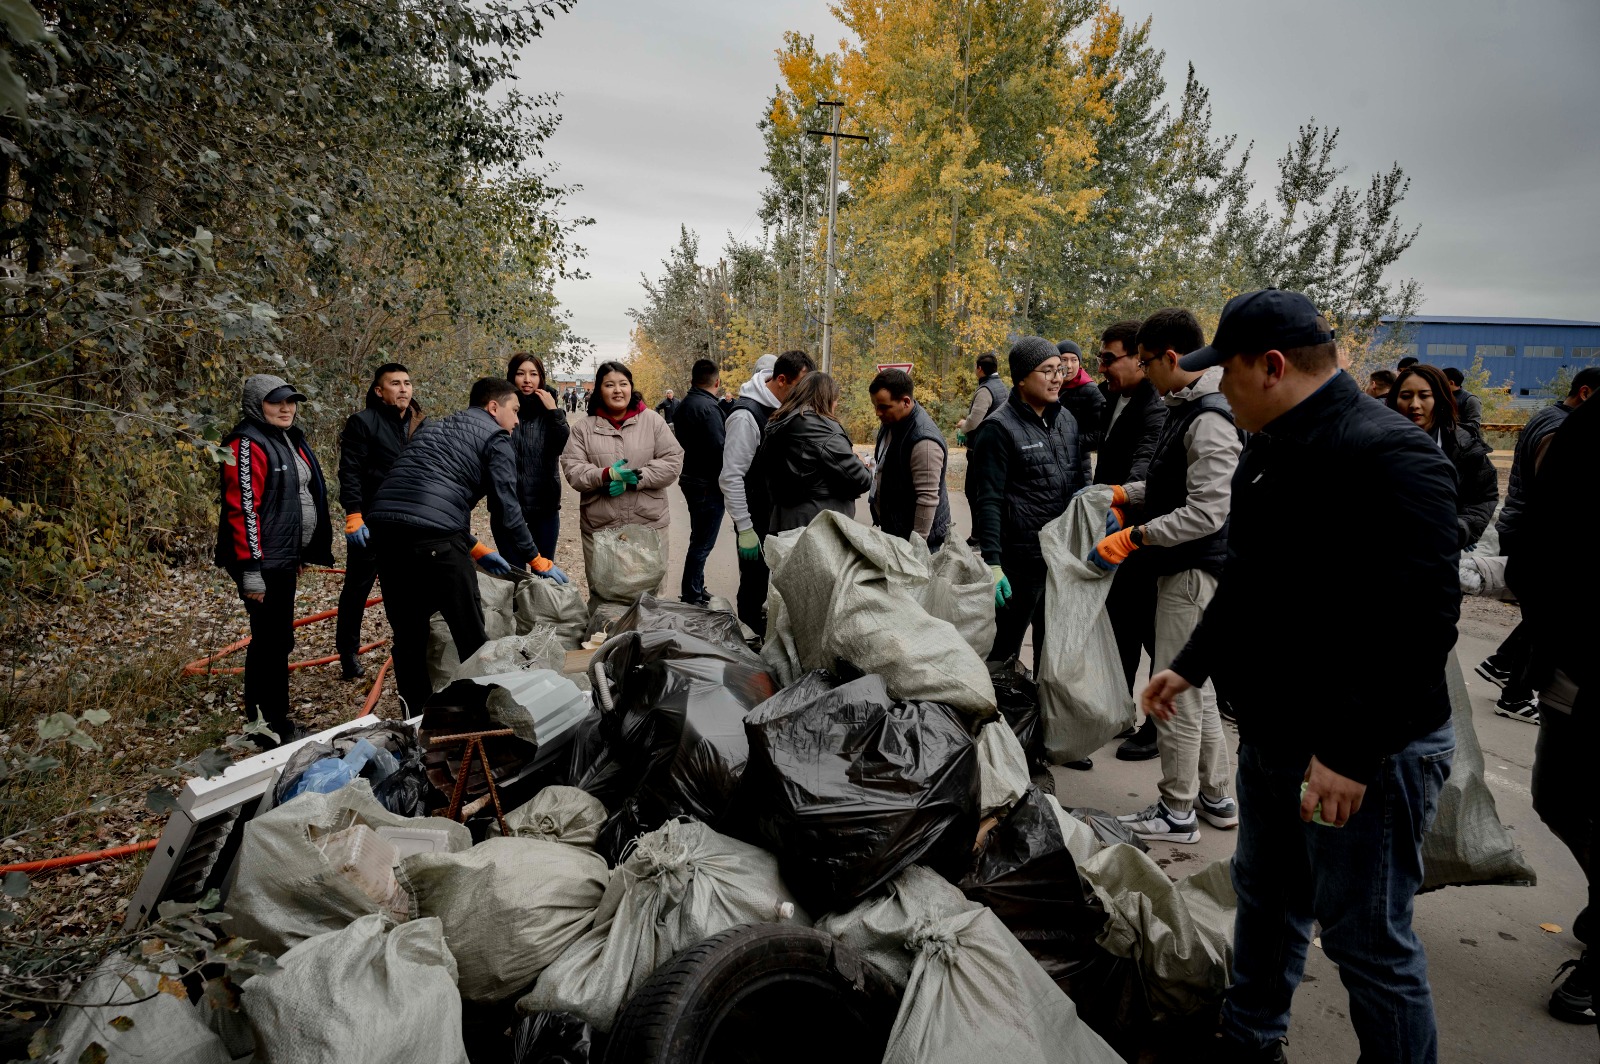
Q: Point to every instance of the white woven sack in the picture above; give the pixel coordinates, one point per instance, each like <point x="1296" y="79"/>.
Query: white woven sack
<point x="1002" y="768"/>
<point x="961" y="591"/>
<point x="557" y="814"/>
<point x="561" y="606"/>
<point x="539" y="648"/>
<point x="681" y="884"/>
<point x="287" y="891"/>
<point x="1083" y="693"/>
<point x="778" y="651"/>
<point x="879" y="927"/>
<point x="166" y="1029"/>
<point x="624" y="563"/>
<point x="853" y="593"/>
<point x="509" y="907"/>
<point x="360" y="994"/>
<point x="968" y="966"/>
<point x="499" y="620"/>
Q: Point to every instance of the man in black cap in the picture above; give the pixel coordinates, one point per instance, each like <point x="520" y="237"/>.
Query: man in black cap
<point x="1339" y="767"/>
<point x="1023" y="470"/>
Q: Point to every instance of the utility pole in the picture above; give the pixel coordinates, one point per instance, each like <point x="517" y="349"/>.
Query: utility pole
<point x="833" y="223"/>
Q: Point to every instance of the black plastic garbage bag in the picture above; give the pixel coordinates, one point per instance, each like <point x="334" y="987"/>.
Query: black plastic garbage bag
<point x="556" y="1038"/>
<point x="407" y="792"/>
<point x="1026" y="873"/>
<point x="650" y="614"/>
<point x="397" y="737"/>
<point x="1017" y="694"/>
<point x="849" y="786"/>
<point x="673" y="739"/>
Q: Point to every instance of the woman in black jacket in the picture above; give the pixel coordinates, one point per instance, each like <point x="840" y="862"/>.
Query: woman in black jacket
<point x="1083" y="400"/>
<point x="807" y="459"/>
<point x="273" y="521"/>
<point x="1422" y="394"/>
<point x="539" y="439"/>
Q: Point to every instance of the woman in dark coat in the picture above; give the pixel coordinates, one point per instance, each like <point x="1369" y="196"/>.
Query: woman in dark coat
<point x="540" y="437"/>
<point x="273" y="521"/>
<point x="1422" y="394"/>
<point x="806" y="457"/>
<point x="1083" y="400"/>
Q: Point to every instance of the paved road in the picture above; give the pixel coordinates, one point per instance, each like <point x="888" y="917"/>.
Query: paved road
<point x="1490" y="963"/>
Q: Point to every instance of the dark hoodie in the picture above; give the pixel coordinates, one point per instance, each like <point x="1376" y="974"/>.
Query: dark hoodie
<point x="372" y="439"/>
<point x="262" y="522"/>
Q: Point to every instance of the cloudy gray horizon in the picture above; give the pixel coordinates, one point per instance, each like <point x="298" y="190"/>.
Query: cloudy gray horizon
<point x="1489" y="106"/>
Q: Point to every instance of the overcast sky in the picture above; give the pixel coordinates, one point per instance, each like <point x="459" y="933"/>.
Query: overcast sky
<point x="1492" y="107"/>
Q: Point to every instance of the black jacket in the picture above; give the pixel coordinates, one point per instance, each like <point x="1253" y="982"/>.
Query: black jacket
<point x="439" y="478"/>
<point x="259" y="526"/>
<point x="1518" y="487"/>
<point x="1477" y="483"/>
<point x="699" y="425"/>
<point x="809" y="466"/>
<point x="668" y="409"/>
<point x="538" y="440"/>
<point x="1336" y="486"/>
<point x="1087" y="404"/>
<point x="371" y="441"/>
<point x="1022" y="472"/>
<point x="1126" y="447"/>
<point x="894" y="508"/>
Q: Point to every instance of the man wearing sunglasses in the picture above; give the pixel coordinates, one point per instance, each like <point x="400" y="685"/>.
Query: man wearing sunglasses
<point x="1024" y="468"/>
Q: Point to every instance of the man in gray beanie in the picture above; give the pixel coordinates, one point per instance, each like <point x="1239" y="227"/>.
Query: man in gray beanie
<point x="1023" y="469"/>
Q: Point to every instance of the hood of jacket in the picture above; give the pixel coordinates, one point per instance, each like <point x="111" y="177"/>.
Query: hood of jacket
<point x="1208" y="383"/>
<point x="256" y="389"/>
<point x="756" y="387"/>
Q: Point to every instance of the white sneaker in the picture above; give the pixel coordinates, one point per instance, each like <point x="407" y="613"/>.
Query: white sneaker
<point x="1218" y="812"/>
<point x="1160" y="824"/>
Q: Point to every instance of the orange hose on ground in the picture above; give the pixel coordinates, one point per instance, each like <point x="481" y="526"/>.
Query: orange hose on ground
<point x="81" y="858"/>
<point x="234" y="670"/>
<point x="377" y="686"/>
<point x="199" y="665"/>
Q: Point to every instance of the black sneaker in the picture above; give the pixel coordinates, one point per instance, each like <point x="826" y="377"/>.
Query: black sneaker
<point x="1083" y="764"/>
<point x="1226" y="1051"/>
<point x="1495" y="674"/>
<point x="1142" y="747"/>
<point x="1573" y="1000"/>
<point x="351" y="664"/>
<point x="1517" y="708"/>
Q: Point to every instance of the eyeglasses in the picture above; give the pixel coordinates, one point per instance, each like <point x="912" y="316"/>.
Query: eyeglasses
<point x="1106" y="360"/>
<point x="1059" y="373"/>
<point x="1144" y="363"/>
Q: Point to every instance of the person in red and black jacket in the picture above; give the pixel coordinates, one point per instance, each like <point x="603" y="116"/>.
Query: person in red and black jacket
<point x="274" y="520"/>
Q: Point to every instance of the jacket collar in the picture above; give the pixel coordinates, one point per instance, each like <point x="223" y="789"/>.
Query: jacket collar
<point x="1326" y="403"/>
<point x="1207" y="383"/>
<point x="1048" y="419"/>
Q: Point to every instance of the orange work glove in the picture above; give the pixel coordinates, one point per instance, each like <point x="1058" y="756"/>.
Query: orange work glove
<point x="541" y="564"/>
<point x="353" y="524"/>
<point x="480" y="549"/>
<point x="1113" y="550"/>
<point x="1119" y="497"/>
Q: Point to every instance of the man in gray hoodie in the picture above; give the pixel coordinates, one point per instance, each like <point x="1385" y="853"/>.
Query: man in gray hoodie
<point x="1182" y="538"/>
<point x="743" y="489"/>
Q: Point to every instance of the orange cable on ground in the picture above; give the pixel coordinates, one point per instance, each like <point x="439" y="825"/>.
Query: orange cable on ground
<point x="80" y="858"/>
<point x="202" y="665"/>
<point x="377" y="686"/>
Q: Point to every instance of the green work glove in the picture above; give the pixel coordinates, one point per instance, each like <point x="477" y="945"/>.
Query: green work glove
<point x="961" y="439"/>
<point x="615" y="488"/>
<point x="1002" y="586"/>
<point x="619" y="473"/>
<point x="749" y="545"/>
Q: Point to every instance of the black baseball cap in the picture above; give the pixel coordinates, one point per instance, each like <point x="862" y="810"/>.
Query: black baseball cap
<point x="1261" y="321"/>
<point x="283" y="393"/>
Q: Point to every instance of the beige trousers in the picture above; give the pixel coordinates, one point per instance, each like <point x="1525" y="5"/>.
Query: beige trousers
<point x="1194" y="747"/>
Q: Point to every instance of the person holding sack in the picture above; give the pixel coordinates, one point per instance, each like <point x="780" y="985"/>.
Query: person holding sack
<point x="620" y="459"/>
<point x="273" y="522"/>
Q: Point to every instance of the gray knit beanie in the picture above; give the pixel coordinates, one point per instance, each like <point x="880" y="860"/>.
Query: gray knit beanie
<point x="1027" y="354"/>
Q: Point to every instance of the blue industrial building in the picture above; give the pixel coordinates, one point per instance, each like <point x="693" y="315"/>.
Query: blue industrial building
<point x="1524" y="353"/>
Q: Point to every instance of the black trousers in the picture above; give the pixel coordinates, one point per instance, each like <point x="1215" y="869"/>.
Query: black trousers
<point x="360" y="570"/>
<point x="1131" y="608"/>
<point x="1515" y="655"/>
<point x="422" y="577"/>
<point x="753" y="577"/>
<point x="1563" y="795"/>
<point x="1025" y="607"/>
<point x="704" y="501"/>
<point x="266" y="659"/>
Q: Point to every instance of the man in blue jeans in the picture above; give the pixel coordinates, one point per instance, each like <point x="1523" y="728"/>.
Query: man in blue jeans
<point x="1339" y="767"/>
<point x="699" y="424"/>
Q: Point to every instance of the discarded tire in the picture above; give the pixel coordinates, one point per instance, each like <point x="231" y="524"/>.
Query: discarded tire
<point x="771" y="993"/>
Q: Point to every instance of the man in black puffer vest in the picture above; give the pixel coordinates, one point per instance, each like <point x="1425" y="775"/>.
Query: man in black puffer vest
<point x="421" y="525"/>
<point x="1183" y="503"/>
<point x="908" y="486"/>
<point x="371" y="441"/>
<point x="1023" y="470"/>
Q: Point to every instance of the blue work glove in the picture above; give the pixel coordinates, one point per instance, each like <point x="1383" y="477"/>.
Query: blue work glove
<point x="495" y="565"/>
<point x="553" y="572"/>
<point x="1002" y="586"/>
<point x="358" y="538"/>
<point x="1113" y="520"/>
